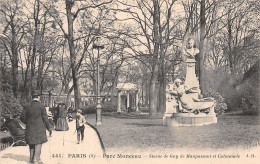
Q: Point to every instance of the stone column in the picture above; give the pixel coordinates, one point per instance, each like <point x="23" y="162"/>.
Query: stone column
<point x="128" y="100"/>
<point x="119" y="101"/>
<point x="136" y="100"/>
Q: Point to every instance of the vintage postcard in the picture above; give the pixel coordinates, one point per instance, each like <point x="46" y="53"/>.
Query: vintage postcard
<point x="129" y="81"/>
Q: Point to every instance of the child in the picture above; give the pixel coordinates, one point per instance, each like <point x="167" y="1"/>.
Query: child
<point x="70" y="111"/>
<point x="80" y="121"/>
<point x="70" y="118"/>
<point x="50" y="118"/>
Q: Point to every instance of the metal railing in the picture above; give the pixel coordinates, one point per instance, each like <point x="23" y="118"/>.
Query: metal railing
<point x="5" y="145"/>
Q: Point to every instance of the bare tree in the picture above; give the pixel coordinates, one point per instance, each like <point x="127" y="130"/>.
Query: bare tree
<point x="150" y="41"/>
<point x="13" y="31"/>
<point x="71" y="17"/>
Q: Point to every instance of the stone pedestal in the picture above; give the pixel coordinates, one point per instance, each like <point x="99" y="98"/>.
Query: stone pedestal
<point x="166" y="118"/>
<point x="190" y="119"/>
<point x="191" y="79"/>
<point x="171" y="107"/>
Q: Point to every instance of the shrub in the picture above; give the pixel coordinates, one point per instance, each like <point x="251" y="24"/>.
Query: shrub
<point x="9" y="106"/>
<point x="221" y="106"/>
<point x="144" y="109"/>
<point x="249" y="99"/>
<point x="249" y="90"/>
<point x="89" y="109"/>
<point x="6" y="140"/>
<point x="108" y="107"/>
<point x="92" y="108"/>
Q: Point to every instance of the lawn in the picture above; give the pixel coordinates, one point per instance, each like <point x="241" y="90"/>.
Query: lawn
<point x="142" y="134"/>
<point x="125" y="134"/>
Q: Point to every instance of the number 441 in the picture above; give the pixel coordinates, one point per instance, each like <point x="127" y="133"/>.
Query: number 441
<point x="250" y="155"/>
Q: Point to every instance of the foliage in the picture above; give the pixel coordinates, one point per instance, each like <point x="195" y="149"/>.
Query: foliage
<point x="88" y="109"/>
<point x="227" y="88"/>
<point x="144" y="109"/>
<point x="241" y="92"/>
<point x="35" y="36"/>
<point x="6" y="140"/>
<point x="250" y="100"/>
<point x="221" y="106"/>
<point x="107" y="107"/>
<point x="9" y="106"/>
<point x="249" y="90"/>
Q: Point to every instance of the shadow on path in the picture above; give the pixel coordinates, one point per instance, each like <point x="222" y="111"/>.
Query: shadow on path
<point x="144" y="125"/>
<point x="17" y="157"/>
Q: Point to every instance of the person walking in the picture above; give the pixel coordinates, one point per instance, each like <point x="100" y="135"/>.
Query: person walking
<point x="62" y="124"/>
<point x="36" y="120"/>
<point x="55" y="113"/>
<point x="80" y="127"/>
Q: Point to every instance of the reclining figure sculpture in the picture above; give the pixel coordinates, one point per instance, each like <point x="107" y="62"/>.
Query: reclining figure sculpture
<point x="188" y="103"/>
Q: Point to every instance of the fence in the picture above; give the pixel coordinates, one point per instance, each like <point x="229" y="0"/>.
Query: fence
<point x="5" y="145"/>
<point x="50" y="100"/>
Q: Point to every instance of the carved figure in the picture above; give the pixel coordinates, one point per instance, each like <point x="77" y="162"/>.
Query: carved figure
<point x="188" y="103"/>
<point x="190" y="51"/>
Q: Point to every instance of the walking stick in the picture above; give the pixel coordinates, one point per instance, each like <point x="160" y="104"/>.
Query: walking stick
<point x="63" y="137"/>
<point x="49" y="145"/>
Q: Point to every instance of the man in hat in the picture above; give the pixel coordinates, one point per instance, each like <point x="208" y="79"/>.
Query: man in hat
<point x="35" y="117"/>
<point x="80" y="121"/>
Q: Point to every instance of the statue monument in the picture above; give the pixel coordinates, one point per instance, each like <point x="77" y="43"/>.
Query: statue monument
<point x="184" y="105"/>
<point x="189" y="54"/>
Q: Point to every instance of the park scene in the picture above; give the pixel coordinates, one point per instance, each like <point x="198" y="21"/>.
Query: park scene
<point x="117" y="81"/>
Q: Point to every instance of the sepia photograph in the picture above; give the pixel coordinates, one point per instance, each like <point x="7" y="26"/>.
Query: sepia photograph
<point x="129" y="81"/>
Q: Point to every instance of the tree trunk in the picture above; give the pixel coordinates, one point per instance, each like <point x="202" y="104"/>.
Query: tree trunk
<point x="162" y="81"/>
<point x="162" y="72"/>
<point x="40" y="70"/>
<point x="40" y="77"/>
<point x="35" y="41"/>
<point x="14" y="60"/>
<point x="3" y="72"/>
<point x="162" y="87"/>
<point x="26" y="96"/>
<point x="153" y="95"/>
<point x="152" y="92"/>
<point x="201" y="46"/>
<point x="15" y="73"/>
<point x="68" y="98"/>
<point x="73" y="55"/>
<point x="230" y="52"/>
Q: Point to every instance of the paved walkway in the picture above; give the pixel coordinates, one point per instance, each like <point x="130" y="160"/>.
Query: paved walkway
<point x="60" y="148"/>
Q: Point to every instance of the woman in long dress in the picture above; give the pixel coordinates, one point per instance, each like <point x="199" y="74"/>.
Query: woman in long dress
<point x="62" y="124"/>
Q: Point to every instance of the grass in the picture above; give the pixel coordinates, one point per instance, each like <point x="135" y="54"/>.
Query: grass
<point x="144" y="134"/>
<point x="128" y="133"/>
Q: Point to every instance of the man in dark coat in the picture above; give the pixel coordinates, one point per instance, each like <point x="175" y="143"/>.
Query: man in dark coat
<point x="35" y="117"/>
